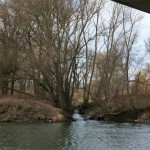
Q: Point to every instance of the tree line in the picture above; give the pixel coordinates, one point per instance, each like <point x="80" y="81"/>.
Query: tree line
<point x="51" y="48"/>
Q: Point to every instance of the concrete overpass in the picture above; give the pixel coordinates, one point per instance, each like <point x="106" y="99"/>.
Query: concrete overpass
<point x="143" y="5"/>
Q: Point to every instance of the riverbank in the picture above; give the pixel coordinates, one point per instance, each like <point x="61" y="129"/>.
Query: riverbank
<point x="130" y="115"/>
<point x="119" y="110"/>
<point x="27" y="110"/>
<point x="122" y="109"/>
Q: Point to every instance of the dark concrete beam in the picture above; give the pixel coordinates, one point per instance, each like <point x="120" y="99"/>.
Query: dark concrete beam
<point x="143" y="5"/>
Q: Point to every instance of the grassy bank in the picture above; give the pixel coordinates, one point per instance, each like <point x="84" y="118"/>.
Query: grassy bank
<point x="27" y="110"/>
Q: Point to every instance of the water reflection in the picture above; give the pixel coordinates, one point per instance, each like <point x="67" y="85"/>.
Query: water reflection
<point x="32" y="136"/>
<point x="78" y="135"/>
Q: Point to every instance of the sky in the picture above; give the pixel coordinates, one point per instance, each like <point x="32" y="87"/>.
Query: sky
<point x="144" y="34"/>
<point x="145" y="26"/>
<point x="144" y="30"/>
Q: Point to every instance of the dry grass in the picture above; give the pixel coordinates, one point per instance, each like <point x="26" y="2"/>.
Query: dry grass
<point x="78" y="98"/>
<point x="124" y="102"/>
<point x="58" y="118"/>
<point x="113" y="105"/>
<point x="119" y="104"/>
<point x="15" y="109"/>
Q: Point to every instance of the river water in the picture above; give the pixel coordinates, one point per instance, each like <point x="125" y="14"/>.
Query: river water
<point x="77" y="135"/>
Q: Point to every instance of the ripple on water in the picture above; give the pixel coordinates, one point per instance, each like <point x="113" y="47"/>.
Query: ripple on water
<point x="78" y="135"/>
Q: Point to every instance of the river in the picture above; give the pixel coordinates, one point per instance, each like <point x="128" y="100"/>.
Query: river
<point x="78" y="135"/>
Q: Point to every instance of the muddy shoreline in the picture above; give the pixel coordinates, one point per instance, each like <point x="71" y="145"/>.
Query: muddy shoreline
<point x="123" y="116"/>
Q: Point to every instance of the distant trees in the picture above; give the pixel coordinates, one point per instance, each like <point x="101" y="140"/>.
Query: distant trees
<point x="8" y="51"/>
<point x="49" y="48"/>
<point x="45" y="41"/>
<point x="114" y="60"/>
<point x="141" y="84"/>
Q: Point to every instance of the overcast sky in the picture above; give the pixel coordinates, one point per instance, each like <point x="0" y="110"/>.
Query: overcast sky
<point x="143" y="36"/>
<point x="144" y="30"/>
<point x="145" y="26"/>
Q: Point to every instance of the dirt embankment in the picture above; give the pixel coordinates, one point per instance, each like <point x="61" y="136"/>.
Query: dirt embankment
<point x="120" y="110"/>
<point x="131" y="115"/>
<point x="20" y="110"/>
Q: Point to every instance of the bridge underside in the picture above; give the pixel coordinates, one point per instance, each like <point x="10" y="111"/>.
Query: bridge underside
<point x="143" y="5"/>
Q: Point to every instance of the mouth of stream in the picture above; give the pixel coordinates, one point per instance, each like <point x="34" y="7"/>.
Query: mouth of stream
<point x="77" y="117"/>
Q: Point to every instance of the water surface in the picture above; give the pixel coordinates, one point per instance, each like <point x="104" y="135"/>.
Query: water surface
<point x="78" y="135"/>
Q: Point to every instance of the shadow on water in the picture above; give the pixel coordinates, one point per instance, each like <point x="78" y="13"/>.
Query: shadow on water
<point x="78" y="135"/>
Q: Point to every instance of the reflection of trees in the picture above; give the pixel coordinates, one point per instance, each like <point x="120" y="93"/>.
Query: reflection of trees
<point x="77" y="135"/>
<point x="34" y="136"/>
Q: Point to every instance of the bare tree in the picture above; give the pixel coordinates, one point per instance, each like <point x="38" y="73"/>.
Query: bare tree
<point x="48" y="47"/>
<point x="115" y="60"/>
